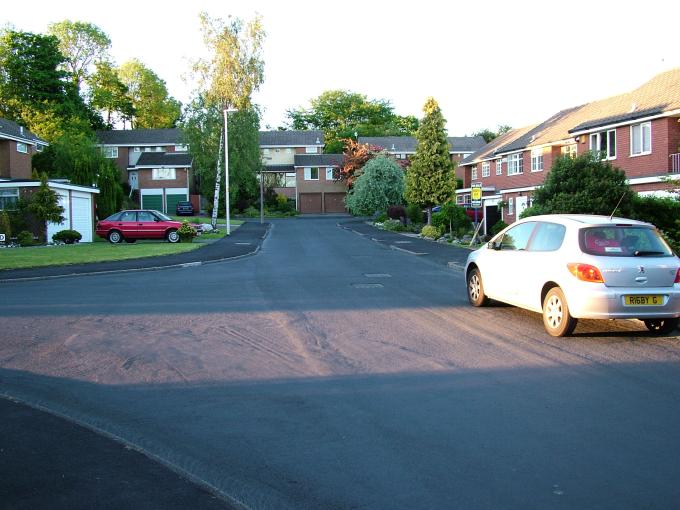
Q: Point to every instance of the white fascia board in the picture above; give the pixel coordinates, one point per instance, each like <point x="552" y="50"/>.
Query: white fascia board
<point x="139" y="144"/>
<point x="517" y="190"/>
<point x="3" y="136"/>
<point x="653" y="180"/>
<point x="55" y="185"/>
<point x="604" y="127"/>
<point x="296" y="146"/>
<point x="151" y="167"/>
<point x="491" y="198"/>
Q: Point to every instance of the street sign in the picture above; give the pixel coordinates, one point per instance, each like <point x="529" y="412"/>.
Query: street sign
<point x="476" y="196"/>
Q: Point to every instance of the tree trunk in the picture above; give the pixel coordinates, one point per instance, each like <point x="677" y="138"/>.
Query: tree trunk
<point x="218" y="177"/>
<point x="429" y="215"/>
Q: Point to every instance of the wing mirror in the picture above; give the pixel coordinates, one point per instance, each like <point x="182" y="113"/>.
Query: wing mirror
<point x="493" y="245"/>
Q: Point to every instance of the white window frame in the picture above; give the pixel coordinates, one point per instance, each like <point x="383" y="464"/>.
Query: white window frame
<point x="515" y="163"/>
<point x="499" y="166"/>
<point x="8" y="193"/>
<point x="511" y="206"/>
<point x="568" y="150"/>
<point x="486" y="169"/>
<point x="310" y="150"/>
<point x="641" y="129"/>
<point x="329" y="173"/>
<point x="289" y="150"/>
<point x="308" y="173"/>
<point x="536" y="160"/>
<point x="110" y="152"/>
<point x="597" y="139"/>
<point x="460" y="199"/>
<point x="137" y="149"/>
<point x="181" y="148"/>
<point x="473" y="172"/>
<point x="22" y="147"/>
<point x="290" y="178"/>
<point x="163" y="174"/>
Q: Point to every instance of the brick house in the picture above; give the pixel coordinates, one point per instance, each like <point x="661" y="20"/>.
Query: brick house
<point x="638" y="132"/>
<point x="17" y="146"/>
<point x="155" y="164"/>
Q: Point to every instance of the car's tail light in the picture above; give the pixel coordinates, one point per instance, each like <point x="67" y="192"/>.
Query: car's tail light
<point x="677" y="276"/>
<point x="586" y="272"/>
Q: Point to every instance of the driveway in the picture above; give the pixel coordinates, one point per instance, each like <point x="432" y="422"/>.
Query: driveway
<point x="331" y="371"/>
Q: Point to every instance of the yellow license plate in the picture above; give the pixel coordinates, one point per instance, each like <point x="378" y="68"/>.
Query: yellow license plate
<point x="643" y="300"/>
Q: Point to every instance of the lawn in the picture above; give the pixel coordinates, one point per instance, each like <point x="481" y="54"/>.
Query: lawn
<point x="221" y="220"/>
<point x="39" y="256"/>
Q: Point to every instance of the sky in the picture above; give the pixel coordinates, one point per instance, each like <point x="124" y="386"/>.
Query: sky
<point x="487" y="63"/>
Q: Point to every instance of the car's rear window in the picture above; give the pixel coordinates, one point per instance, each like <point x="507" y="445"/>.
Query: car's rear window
<point x="113" y="217"/>
<point x="623" y="241"/>
<point x="184" y="204"/>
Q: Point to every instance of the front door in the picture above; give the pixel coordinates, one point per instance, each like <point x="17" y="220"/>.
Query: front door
<point x="132" y="179"/>
<point x="521" y="203"/>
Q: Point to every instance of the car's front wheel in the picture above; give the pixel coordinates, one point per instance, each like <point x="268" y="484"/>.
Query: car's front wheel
<point x="115" y="237"/>
<point x="475" y="289"/>
<point x="172" y="236"/>
<point x="661" y="326"/>
<point x="556" y="317"/>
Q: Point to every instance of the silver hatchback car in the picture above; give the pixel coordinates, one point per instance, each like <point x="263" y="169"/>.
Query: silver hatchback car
<point x="573" y="266"/>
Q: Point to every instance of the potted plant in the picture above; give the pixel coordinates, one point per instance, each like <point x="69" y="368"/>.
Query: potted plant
<point x="186" y="232"/>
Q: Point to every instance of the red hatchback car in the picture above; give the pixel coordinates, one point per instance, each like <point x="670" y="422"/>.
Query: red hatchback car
<point x="144" y="224"/>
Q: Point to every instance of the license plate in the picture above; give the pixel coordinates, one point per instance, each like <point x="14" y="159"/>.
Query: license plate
<point x="643" y="300"/>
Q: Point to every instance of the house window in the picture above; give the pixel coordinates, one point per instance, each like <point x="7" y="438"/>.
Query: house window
<point x="181" y="148"/>
<point x="39" y="147"/>
<point x="159" y="149"/>
<point x="473" y="173"/>
<point x="466" y="199"/>
<point x="486" y="169"/>
<point x="310" y="150"/>
<point x="499" y="167"/>
<point x="641" y="139"/>
<point x="22" y="147"/>
<point x="289" y="151"/>
<point x="137" y="149"/>
<point x="568" y="150"/>
<point x="511" y="206"/>
<point x="265" y="152"/>
<point x="8" y="199"/>
<point x="148" y="149"/>
<point x="163" y="174"/>
<point x="332" y="174"/>
<point x="604" y="142"/>
<point x="110" y="152"/>
<point x="311" y="174"/>
<point x="289" y="181"/>
<point x="536" y="160"/>
<point x="515" y="164"/>
<point x="460" y="199"/>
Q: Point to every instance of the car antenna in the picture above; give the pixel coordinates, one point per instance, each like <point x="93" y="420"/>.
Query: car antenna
<point x="617" y="205"/>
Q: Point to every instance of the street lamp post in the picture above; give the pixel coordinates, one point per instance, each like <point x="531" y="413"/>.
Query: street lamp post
<point x="227" y="111"/>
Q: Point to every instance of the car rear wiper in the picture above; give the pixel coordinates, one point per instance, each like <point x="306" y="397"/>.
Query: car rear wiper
<point x="639" y="253"/>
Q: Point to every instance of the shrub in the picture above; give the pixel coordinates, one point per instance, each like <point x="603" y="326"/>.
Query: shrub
<point x="380" y="184"/>
<point x="455" y="217"/>
<point x="396" y="212"/>
<point x="414" y="213"/>
<point x="5" y="225"/>
<point x="498" y="226"/>
<point x="394" y="226"/>
<point x="281" y="200"/>
<point x="67" y="236"/>
<point x="664" y="213"/>
<point x="251" y="212"/>
<point x="440" y="221"/>
<point x="431" y="232"/>
<point x="381" y="218"/>
<point x="186" y="232"/>
<point x="25" y="238"/>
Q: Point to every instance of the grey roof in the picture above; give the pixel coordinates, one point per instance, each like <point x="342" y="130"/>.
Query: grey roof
<point x="12" y="129"/>
<point x="409" y="143"/>
<point x="279" y="168"/>
<point x="318" y="160"/>
<point x="290" y="138"/>
<point x="156" y="159"/>
<point x="170" y="136"/>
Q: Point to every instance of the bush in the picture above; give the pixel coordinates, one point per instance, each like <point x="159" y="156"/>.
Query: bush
<point x="415" y="213"/>
<point x="396" y="212"/>
<point x="67" y="236"/>
<point x="440" y="221"/>
<point x="25" y="238"/>
<point x="380" y="184"/>
<point x="381" y="218"/>
<point x="498" y="226"/>
<point x="431" y="232"/>
<point x="5" y="225"/>
<point x="664" y="213"/>
<point x="186" y="232"/>
<point x="251" y="212"/>
<point x="394" y="226"/>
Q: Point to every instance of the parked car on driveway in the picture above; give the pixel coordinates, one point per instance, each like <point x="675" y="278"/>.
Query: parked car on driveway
<point x="184" y="209"/>
<point x="571" y="267"/>
<point x="138" y="224"/>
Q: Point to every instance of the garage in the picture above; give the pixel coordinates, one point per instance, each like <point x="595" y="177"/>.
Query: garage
<point x="334" y="202"/>
<point x="81" y="216"/>
<point x="310" y="203"/>
<point x="151" y="199"/>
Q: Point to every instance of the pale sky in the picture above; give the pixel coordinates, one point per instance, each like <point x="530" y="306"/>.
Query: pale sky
<point x="485" y="62"/>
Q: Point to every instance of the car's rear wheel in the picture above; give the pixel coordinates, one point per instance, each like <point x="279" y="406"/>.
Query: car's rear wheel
<point x="556" y="317"/>
<point x="661" y="326"/>
<point x="172" y="236"/>
<point x="475" y="289"/>
<point x="115" y="237"/>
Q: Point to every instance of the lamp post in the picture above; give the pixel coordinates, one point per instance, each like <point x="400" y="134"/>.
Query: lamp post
<point x="227" y="111"/>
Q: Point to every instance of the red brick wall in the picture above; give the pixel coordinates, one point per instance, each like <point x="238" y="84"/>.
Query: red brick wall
<point x="146" y="182"/>
<point x="15" y="164"/>
<point x="4" y="159"/>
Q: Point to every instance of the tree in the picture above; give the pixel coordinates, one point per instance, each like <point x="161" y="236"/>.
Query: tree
<point x="44" y="205"/>
<point x="153" y="107"/>
<point x="228" y="79"/>
<point x="342" y="114"/>
<point x="110" y="198"/>
<point x="489" y="135"/>
<point x="355" y="157"/>
<point x="82" y="44"/>
<point x="109" y="94"/>
<point x="582" y="185"/>
<point x="380" y="185"/>
<point x="431" y="178"/>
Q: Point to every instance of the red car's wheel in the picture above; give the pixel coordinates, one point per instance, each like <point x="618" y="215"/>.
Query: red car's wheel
<point x="172" y="236"/>
<point x="115" y="237"/>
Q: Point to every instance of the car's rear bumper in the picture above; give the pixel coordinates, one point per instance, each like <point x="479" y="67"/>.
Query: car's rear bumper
<point x="609" y="303"/>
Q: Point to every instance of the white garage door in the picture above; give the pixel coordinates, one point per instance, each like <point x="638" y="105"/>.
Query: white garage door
<point x="82" y="217"/>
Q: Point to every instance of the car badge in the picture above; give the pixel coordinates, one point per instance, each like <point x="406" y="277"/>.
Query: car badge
<point x="641" y="269"/>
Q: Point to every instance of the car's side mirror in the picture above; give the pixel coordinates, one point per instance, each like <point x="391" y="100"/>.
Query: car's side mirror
<point x="494" y="246"/>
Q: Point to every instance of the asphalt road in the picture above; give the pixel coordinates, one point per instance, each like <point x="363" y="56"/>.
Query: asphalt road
<point x="330" y="371"/>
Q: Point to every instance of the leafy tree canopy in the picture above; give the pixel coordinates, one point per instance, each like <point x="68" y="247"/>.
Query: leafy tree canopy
<point x="380" y="185"/>
<point x="44" y="205"/>
<point x="342" y="114"/>
<point x="356" y="155"/>
<point x="109" y="94"/>
<point x="489" y="135"/>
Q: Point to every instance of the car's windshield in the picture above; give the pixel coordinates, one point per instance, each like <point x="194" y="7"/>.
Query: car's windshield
<point x="162" y="216"/>
<point x="623" y="241"/>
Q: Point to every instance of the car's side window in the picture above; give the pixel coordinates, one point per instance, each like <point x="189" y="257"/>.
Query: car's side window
<point x="547" y="237"/>
<point x="518" y="237"/>
<point x="145" y="216"/>
<point x="128" y="216"/>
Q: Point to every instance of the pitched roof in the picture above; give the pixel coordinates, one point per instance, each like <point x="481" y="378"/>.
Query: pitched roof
<point x="169" y="136"/>
<point x="10" y="129"/>
<point x="409" y="143"/>
<point x="318" y="159"/>
<point x="164" y="159"/>
<point x="489" y="150"/>
<point x="291" y="138"/>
